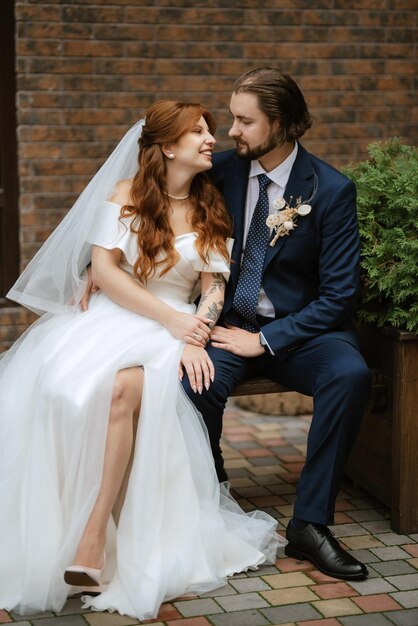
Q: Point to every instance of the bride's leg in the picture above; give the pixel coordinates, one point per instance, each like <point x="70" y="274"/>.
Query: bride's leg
<point x="126" y="400"/>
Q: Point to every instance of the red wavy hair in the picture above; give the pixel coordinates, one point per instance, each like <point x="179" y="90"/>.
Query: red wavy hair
<point x="166" y="122"/>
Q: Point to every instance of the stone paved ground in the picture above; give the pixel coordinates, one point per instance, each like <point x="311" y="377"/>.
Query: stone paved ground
<point x="264" y="457"/>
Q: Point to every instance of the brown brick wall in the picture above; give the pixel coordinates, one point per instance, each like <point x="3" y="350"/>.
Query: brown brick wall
<point x="87" y="69"/>
<point x="13" y="321"/>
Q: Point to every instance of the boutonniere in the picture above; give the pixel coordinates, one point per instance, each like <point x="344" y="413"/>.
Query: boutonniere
<point x="284" y="221"/>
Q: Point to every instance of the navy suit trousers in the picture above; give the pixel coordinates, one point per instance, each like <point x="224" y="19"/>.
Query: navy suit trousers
<point x="328" y="367"/>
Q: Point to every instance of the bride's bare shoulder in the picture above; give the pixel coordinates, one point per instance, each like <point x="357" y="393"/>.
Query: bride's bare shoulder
<point x="122" y="192"/>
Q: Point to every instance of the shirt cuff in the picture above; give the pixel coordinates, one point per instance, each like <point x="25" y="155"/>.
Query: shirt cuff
<point x="267" y="343"/>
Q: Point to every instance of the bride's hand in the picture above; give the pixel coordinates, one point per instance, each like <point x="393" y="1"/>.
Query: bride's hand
<point x="192" y="329"/>
<point x="198" y="366"/>
<point x="90" y="288"/>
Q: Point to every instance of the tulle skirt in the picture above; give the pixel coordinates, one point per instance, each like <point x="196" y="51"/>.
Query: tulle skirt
<point x="179" y="531"/>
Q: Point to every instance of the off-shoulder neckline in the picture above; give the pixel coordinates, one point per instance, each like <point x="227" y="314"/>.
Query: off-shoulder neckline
<point x="192" y="232"/>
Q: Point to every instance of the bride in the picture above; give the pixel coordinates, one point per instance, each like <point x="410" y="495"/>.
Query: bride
<point x="74" y="386"/>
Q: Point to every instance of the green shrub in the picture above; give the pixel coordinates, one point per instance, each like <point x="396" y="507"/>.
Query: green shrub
<point x="387" y="202"/>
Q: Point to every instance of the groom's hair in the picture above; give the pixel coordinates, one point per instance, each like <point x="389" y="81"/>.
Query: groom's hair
<point x="279" y="98"/>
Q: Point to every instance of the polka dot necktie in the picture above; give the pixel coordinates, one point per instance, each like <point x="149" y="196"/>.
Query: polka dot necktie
<point x="249" y="281"/>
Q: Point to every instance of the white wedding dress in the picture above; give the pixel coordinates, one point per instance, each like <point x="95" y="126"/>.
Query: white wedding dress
<point x="179" y="531"/>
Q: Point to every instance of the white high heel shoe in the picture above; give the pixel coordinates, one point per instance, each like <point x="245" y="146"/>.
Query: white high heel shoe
<point x="80" y="576"/>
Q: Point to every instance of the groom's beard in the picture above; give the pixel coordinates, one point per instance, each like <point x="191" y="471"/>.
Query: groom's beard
<point x="245" y="152"/>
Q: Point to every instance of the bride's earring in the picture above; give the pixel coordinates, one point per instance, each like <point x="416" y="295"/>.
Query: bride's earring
<point x="170" y="156"/>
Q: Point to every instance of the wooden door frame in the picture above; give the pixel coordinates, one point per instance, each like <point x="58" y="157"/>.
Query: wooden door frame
<point x="9" y="188"/>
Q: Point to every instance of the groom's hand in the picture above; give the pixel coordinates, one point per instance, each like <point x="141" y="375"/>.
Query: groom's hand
<point x="236" y="340"/>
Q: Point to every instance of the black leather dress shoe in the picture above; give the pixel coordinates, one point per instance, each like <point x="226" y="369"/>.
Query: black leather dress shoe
<point x="317" y="544"/>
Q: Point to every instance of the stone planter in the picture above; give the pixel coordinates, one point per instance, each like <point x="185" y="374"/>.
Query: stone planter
<point x="385" y="459"/>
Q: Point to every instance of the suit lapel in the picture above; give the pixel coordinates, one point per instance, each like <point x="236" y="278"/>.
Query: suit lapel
<point x="235" y="192"/>
<point x="300" y="183"/>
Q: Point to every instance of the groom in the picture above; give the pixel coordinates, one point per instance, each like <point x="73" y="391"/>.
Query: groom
<point x="288" y="306"/>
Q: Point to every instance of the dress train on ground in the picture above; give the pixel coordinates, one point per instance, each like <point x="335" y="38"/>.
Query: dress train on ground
<point x="179" y="531"/>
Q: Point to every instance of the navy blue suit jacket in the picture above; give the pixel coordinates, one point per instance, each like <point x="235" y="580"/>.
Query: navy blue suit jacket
<point x="312" y="275"/>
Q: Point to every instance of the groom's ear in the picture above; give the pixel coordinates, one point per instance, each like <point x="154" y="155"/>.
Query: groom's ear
<point x="275" y="125"/>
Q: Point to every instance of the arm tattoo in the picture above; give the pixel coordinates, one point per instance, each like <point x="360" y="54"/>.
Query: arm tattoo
<point x="218" y="282"/>
<point x="212" y="310"/>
